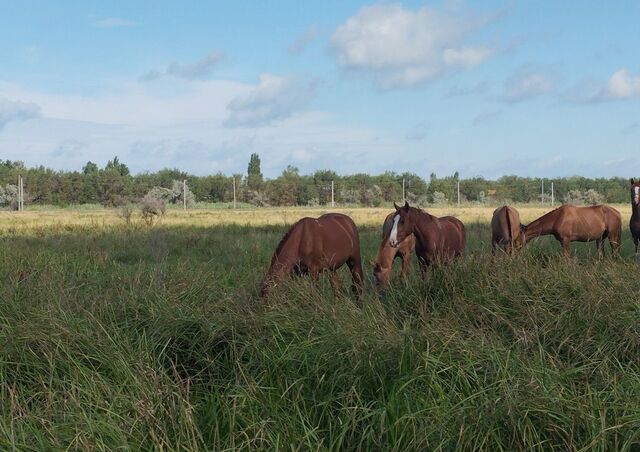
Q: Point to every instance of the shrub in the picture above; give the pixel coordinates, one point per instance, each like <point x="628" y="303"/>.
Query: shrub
<point x="438" y="197"/>
<point x="9" y="196"/>
<point x="589" y="197"/>
<point x="152" y="209"/>
<point x="173" y="195"/>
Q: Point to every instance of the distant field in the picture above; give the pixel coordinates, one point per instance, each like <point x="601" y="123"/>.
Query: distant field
<point x="135" y="337"/>
<point x="248" y="216"/>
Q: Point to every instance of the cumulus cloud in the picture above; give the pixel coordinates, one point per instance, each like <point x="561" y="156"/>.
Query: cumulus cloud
<point x="11" y="111"/>
<point x="621" y="85"/>
<point x="273" y="98"/>
<point x="526" y="83"/>
<point x="112" y="22"/>
<point x="198" y="70"/>
<point x="303" y="40"/>
<point x="402" y="47"/>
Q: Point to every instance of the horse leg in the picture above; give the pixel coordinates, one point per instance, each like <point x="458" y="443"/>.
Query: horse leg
<point x="565" y="248"/>
<point x="636" y="242"/>
<point x="600" y="248"/>
<point x="357" y="277"/>
<point x="614" y="241"/>
<point x="422" y="263"/>
<point x="335" y="282"/>
<point x="406" y="260"/>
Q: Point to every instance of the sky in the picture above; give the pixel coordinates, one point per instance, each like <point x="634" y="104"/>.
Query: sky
<point x="533" y="88"/>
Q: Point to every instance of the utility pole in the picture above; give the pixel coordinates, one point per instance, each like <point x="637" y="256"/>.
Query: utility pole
<point x="234" y="192"/>
<point x="403" y="196"/>
<point x="184" y="194"/>
<point x="552" y="197"/>
<point x="458" y="193"/>
<point x="332" y="198"/>
<point x="20" y="194"/>
<point x="542" y="193"/>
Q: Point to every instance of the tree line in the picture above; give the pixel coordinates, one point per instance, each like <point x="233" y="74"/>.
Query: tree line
<point x="114" y="185"/>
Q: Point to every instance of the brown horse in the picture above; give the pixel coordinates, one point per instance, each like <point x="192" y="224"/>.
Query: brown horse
<point x="313" y="245"/>
<point x="634" y="222"/>
<point x="437" y="239"/>
<point x="387" y="253"/>
<point x="506" y="229"/>
<point x="579" y="224"/>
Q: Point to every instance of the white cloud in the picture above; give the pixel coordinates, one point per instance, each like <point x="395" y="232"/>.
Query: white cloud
<point x="198" y="70"/>
<point x="526" y="83"/>
<point x="16" y="111"/>
<point x="273" y="98"/>
<point x="303" y="155"/>
<point x="137" y="104"/>
<point x="622" y="85"/>
<point x="402" y="47"/>
<point x="303" y="40"/>
<point x="112" y="22"/>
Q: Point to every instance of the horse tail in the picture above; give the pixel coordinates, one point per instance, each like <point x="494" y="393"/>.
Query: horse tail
<point x="510" y="232"/>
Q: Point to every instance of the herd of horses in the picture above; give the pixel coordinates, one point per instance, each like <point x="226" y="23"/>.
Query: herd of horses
<point x="324" y="244"/>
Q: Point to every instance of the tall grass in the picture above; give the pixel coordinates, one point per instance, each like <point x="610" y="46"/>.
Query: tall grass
<point x="129" y="337"/>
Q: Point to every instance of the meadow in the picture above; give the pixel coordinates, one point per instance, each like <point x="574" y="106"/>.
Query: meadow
<point x="117" y="335"/>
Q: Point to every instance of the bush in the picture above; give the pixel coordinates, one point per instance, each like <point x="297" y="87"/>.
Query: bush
<point x="9" y="196"/>
<point x="152" y="209"/>
<point x="173" y="195"/>
<point x="589" y="197"/>
<point x="438" y="197"/>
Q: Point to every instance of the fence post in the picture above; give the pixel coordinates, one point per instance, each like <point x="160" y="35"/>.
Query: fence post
<point x="234" y="192"/>
<point x="404" y="198"/>
<point x="184" y="194"/>
<point x="552" y="195"/>
<point x="458" y="193"/>
<point x="332" y="198"/>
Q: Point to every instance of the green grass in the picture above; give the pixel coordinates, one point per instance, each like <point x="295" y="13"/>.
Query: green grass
<point x="154" y="339"/>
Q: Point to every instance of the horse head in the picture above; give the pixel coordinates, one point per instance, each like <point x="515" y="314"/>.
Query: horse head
<point x="403" y="224"/>
<point x="635" y="192"/>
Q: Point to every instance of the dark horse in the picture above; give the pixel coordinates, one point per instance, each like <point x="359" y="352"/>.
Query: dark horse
<point x="579" y="224"/>
<point x="387" y="253"/>
<point x="634" y="223"/>
<point x="313" y="245"/>
<point x="506" y="229"/>
<point x="437" y="239"/>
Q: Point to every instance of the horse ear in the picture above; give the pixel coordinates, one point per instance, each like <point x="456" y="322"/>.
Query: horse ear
<point x="396" y="206"/>
<point x="406" y="206"/>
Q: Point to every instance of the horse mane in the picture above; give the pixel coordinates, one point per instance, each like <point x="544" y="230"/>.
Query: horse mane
<point x="282" y="242"/>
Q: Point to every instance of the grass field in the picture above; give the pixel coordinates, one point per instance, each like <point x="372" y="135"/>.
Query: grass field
<point x="134" y="337"/>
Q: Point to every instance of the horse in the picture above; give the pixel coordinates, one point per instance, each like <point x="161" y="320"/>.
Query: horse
<point x="634" y="222"/>
<point x="387" y="254"/>
<point x="437" y="239"/>
<point x="506" y="229"/>
<point x="313" y="245"/>
<point x="569" y="223"/>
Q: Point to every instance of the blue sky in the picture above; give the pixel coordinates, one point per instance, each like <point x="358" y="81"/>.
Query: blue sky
<point x="539" y="88"/>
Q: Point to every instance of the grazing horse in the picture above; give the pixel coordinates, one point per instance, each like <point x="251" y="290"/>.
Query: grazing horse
<point x="634" y="222"/>
<point x="387" y="253"/>
<point x="437" y="239"/>
<point x="579" y="224"/>
<point x="313" y="245"/>
<point x="506" y="229"/>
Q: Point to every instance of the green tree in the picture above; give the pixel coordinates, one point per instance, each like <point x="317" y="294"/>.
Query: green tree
<point x="254" y="176"/>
